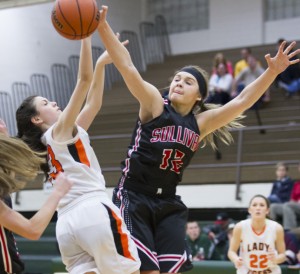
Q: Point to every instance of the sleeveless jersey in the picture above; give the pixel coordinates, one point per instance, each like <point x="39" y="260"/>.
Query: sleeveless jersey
<point x="161" y="149"/>
<point x="254" y="248"/>
<point x="77" y="159"/>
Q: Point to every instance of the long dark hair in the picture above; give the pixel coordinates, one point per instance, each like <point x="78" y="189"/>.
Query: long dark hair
<point x="29" y="132"/>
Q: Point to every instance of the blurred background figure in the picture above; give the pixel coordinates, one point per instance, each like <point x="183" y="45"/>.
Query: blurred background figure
<point x="221" y="59"/>
<point x="198" y="242"/>
<point x="220" y="86"/>
<point x="242" y="63"/>
<point x="218" y="235"/>
<point x="289" y="80"/>
<point x="246" y="76"/>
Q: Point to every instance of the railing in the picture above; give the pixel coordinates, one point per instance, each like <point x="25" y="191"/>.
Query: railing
<point x="238" y="164"/>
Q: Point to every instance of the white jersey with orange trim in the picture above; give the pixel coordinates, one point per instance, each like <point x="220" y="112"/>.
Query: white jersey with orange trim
<point x="77" y="159"/>
<point x="90" y="231"/>
<point x="255" y="247"/>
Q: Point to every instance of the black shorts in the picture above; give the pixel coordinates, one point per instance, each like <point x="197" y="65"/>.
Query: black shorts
<point x="157" y="226"/>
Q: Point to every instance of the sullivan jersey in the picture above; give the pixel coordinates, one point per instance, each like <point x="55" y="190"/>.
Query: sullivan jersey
<point x="160" y="150"/>
<point x="77" y="159"/>
<point x="255" y="248"/>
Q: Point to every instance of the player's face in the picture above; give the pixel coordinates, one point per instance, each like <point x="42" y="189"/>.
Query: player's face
<point x="184" y="89"/>
<point x="48" y="112"/>
<point x="258" y="208"/>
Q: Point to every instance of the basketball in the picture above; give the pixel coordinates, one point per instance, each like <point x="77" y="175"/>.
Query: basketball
<point x="75" y="19"/>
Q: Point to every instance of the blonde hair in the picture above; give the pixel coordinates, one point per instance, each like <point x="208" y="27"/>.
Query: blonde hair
<point x="222" y="133"/>
<point x="18" y="164"/>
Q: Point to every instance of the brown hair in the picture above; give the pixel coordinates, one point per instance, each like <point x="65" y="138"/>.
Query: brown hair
<point x="29" y="132"/>
<point x="260" y="196"/>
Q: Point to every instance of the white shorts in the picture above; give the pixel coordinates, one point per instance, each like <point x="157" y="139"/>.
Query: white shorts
<point x="92" y="235"/>
<point x="274" y="270"/>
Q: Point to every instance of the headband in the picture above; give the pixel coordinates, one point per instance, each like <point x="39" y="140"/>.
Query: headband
<point x="200" y="79"/>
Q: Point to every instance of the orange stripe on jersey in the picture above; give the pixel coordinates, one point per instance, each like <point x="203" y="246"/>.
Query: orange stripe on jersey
<point x="77" y="151"/>
<point x="81" y="153"/>
<point x="258" y="233"/>
<point x="120" y="238"/>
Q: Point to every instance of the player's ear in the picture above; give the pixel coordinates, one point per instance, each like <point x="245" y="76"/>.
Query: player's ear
<point x="36" y="120"/>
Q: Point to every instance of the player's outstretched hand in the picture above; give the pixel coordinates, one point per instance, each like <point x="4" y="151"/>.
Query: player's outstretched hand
<point x="103" y="13"/>
<point x="281" y="60"/>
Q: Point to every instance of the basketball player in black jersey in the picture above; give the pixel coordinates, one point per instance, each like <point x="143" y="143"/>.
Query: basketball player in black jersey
<point x="167" y="134"/>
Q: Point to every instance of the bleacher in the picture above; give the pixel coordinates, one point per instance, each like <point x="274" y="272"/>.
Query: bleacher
<point x="252" y="156"/>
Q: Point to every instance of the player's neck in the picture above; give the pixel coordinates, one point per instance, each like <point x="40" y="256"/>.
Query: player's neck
<point x="258" y="226"/>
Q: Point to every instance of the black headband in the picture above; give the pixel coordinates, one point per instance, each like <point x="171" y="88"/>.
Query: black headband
<point x="200" y="79"/>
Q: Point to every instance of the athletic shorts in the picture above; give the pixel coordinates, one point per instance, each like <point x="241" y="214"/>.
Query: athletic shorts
<point x="274" y="270"/>
<point x="157" y="226"/>
<point x="92" y="236"/>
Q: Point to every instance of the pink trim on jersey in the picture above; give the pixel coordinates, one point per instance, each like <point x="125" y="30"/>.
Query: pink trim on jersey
<point x="166" y="102"/>
<point x="134" y="148"/>
<point x="169" y="257"/>
<point x="180" y="262"/>
<point x="5" y="253"/>
<point x="145" y="250"/>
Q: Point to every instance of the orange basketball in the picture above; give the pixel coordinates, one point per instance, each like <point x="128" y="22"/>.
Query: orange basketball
<point x="75" y="19"/>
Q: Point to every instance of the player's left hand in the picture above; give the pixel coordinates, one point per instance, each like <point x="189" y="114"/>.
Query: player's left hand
<point x="281" y="60"/>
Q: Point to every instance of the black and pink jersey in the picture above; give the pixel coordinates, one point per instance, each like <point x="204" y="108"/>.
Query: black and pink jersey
<point x="161" y="149"/>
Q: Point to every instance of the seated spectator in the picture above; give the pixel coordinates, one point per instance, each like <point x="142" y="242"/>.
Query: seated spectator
<point x="281" y="191"/>
<point x="220" y="59"/>
<point x="242" y="64"/>
<point x="289" y="79"/>
<point x="220" y="86"/>
<point x="247" y="76"/>
<point x="292" y="248"/>
<point x="291" y="209"/>
<point x="197" y="241"/>
<point x="218" y="235"/>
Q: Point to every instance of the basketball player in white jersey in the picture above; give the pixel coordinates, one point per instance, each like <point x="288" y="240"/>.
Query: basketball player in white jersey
<point x="260" y="241"/>
<point x="91" y="234"/>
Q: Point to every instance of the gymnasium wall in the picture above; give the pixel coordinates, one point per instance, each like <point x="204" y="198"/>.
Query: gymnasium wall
<point x="29" y="44"/>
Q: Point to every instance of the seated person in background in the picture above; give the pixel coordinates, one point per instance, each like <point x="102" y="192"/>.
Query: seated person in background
<point x="218" y="235"/>
<point x="247" y="76"/>
<point x="292" y="248"/>
<point x="281" y="191"/>
<point x="242" y="64"/>
<point x="291" y="209"/>
<point x="220" y="59"/>
<point x="197" y="241"/>
<point x="289" y="79"/>
<point x="220" y="86"/>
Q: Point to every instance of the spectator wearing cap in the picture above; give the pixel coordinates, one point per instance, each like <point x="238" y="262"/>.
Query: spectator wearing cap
<point x="218" y="234"/>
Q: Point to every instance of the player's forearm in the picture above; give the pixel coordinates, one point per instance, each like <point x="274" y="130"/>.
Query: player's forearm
<point x="41" y="219"/>
<point x="257" y="88"/>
